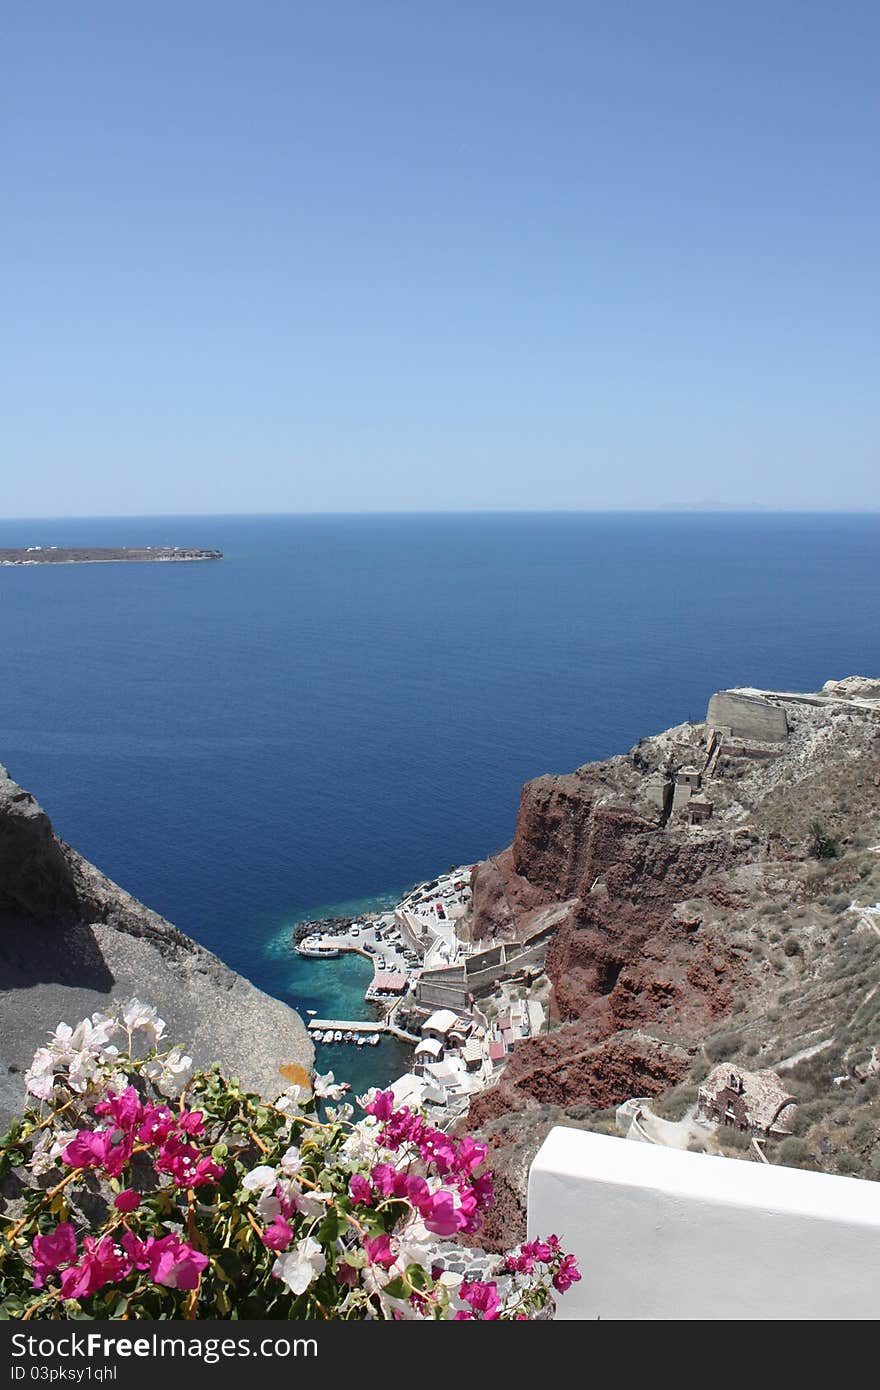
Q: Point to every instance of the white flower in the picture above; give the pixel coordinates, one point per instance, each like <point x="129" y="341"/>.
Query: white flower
<point x="291" y="1162"/>
<point x="79" y="1052"/>
<point x="136" y="1015"/>
<point x="289" y="1100"/>
<point x="258" y="1179"/>
<point x="82" y="1067"/>
<point x="90" y="1035"/>
<point x="327" y="1086"/>
<point x="340" y="1114"/>
<point x="415" y="1246"/>
<point x="115" y="1081"/>
<point x="170" y="1073"/>
<point x="48" y="1150"/>
<point x="39" y="1079"/>
<point x="269" y="1207"/>
<point x="310" y="1204"/>
<point x="300" y="1266"/>
<point x="361" y="1148"/>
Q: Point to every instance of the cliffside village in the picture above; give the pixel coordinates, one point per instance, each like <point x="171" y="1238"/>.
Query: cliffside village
<point x="463" y="1008"/>
<point x="465" y="1005"/>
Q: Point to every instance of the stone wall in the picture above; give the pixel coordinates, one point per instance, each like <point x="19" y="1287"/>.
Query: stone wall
<point x="747" y="717"/>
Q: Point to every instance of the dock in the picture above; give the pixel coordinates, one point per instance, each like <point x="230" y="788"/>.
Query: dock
<point x="360" y="1025"/>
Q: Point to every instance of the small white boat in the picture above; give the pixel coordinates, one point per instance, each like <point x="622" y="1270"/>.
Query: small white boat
<point x="313" y="950"/>
<point x="373" y="1040"/>
<point x="311" y="1012"/>
<point x="337" y="1036"/>
<point x="361" y="1040"/>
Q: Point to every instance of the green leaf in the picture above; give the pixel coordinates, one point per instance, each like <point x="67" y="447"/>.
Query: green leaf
<point x="331" y="1227"/>
<point x="396" y="1288"/>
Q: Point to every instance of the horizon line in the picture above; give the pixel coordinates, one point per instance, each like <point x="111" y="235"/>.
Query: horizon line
<point x="664" y="510"/>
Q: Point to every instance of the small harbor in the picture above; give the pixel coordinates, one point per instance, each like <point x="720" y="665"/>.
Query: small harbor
<point x="459" y="1034"/>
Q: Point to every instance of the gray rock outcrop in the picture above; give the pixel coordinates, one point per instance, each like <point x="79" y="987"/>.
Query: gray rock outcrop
<point x="72" y="941"/>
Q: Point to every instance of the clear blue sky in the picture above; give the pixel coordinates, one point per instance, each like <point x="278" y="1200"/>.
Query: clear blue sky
<point x="373" y="255"/>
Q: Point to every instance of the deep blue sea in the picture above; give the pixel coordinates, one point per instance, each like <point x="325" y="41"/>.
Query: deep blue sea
<point x="345" y="705"/>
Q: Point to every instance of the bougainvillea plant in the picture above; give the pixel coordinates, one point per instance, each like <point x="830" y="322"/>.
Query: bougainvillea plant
<point x="138" y="1187"/>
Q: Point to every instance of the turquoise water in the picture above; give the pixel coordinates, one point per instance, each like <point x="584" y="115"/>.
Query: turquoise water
<point x="335" y="989"/>
<point x="346" y="705"/>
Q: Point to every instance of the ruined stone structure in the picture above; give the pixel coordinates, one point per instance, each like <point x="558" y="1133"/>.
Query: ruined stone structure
<point x="456" y="986"/>
<point x="747" y="717"/>
<point x="658" y="790"/>
<point x="699" y="809"/>
<point x="753" y="1102"/>
<point x="687" y="782"/>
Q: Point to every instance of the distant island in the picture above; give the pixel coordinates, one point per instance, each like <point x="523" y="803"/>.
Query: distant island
<point x="96" y="555"/>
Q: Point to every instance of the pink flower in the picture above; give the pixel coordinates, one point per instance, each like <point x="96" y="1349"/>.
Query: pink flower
<point x="483" y="1298"/>
<point x="439" y="1214"/>
<point x="127" y="1201"/>
<point x="378" y="1250"/>
<point x="206" y="1171"/>
<point x="438" y="1149"/>
<point x="360" y="1190"/>
<point x="383" y="1177"/>
<point x="536" y="1250"/>
<point x="109" y="1149"/>
<point x="103" y="1263"/>
<point x="170" y="1261"/>
<point x="186" y="1165"/>
<point x="566" y="1275"/>
<point x="175" y="1264"/>
<point x="125" y="1109"/>
<point x="53" y="1250"/>
<point x="470" y="1155"/>
<point x="278" y="1236"/>
<point x="483" y="1189"/>
<point x="416" y="1190"/>
<point x="156" y="1124"/>
<point x="382" y="1105"/>
<point x="138" y="1251"/>
<point x="191" y="1122"/>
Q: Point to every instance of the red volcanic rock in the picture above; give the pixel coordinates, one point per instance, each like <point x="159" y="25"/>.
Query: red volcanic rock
<point x="621" y="874"/>
<point x="553" y="828"/>
<point x="620" y="965"/>
<point x="502" y="898"/>
<point x="568" y="1067"/>
<point x="545" y="1073"/>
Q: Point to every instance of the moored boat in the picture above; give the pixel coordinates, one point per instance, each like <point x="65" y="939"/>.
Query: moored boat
<point x="317" y="950"/>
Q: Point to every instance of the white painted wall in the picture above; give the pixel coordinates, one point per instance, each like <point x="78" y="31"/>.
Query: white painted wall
<point x="659" y="1233"/>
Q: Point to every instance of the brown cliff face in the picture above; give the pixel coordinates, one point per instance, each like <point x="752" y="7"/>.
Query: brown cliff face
<point x="567" y="1067"/>
<point x="721" y="931"/>
<point x="551" y="847"/>
<point x="620" y="958"/>
<point x="624" y="958"/>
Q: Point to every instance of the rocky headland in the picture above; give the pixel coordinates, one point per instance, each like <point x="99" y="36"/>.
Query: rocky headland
<point x="71" y="941"/>
<point x="715" y="887"/>
<point x="98" y="555"/>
